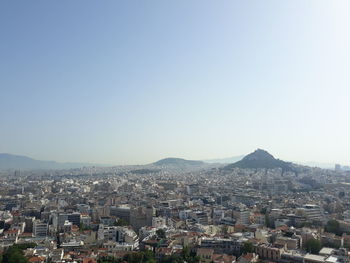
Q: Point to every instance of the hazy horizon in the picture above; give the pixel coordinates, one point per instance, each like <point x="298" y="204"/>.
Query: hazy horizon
<point x="223" y="160"/>
<point x="131" y="82"/>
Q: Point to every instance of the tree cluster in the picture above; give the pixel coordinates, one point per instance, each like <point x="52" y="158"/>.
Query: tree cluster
<point x="333" y="227"/>
<point x="148" y="257"/>
<point x="313" y="246"/>
<point x="248" y="248"/>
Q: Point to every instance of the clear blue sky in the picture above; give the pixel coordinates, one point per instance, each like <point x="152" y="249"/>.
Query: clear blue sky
<point x="126" y="82"/>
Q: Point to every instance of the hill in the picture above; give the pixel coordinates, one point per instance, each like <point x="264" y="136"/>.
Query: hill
<point x="260" y="159"/>
<point x="178" y="162"/>
<point x="225" y="160"/>
<point x="10" y="161"/>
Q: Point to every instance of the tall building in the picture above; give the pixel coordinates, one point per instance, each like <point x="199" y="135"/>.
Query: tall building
<point x="74" y="218"/>
<point x="29" y="221"/>
<point x="117" y="234"/>
<point x="242" y="216"/>
<point x="40" y="228"/>
<point x="122" y="212"/>
<point x="141" y="216"/>
<point x="313" y="212"/>
<point x="59" y="219"/>
<point x="337" y="167"/>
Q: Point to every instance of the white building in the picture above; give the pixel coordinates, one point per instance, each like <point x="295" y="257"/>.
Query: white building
<point x="40" y="229"/>
<point x="117" y="234"/>
<point x="159" y="222"/>
<point x="312" y="212"/>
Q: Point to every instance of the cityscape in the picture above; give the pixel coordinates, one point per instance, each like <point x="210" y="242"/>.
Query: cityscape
<point x="174" y="131"/>
<point x="258" y="209"/>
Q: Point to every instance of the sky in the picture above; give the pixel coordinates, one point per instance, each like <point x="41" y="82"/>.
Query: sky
<point x="131" y="82"/>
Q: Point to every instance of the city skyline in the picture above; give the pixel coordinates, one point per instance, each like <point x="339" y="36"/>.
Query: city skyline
<point x="130" y="82"/>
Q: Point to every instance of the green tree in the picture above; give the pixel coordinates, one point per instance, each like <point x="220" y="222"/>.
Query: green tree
<point x="263" y="210"/>
<point x="140" y="257"/>
<point x="134" y="257"/>
<point x="121" y="222"/>
<point x="14" y="255"/>
<point x="109" y="259"/>
<point x="83" y="227"/>
<point x="333" y="227"/>
<point x="185" y="256"/>
<point x="313" y="246"/>
<point x="172" y="259"/>
<point x="148" y="256"/>
<point x="224" y="230"/>
<point x="248" y="247"/>
<point x="267" y="220"/>
<point x="161" y="233"/>
<point x="189" y="256"/>
<point x="24" y="246"/>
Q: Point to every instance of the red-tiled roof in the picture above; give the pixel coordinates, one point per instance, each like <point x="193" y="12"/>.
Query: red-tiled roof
<point x="37" y="259"/>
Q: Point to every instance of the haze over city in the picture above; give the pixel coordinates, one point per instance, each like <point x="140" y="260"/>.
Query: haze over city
<point x="131" y="82"/>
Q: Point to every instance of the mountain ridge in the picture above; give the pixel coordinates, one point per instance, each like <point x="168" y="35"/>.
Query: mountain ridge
<point x="12" y="162"/>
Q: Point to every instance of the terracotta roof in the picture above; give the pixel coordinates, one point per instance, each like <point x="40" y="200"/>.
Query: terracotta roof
<point x="11" y="231"/>
<point x="164" y="250"/>
<point x="89" y="260"/>
<point x="282" y="228"/>
<point x="37" y="259"/>
<point x="223" y="258"/>
<point x="26" y="234"/>
<point x="248" y="256"/>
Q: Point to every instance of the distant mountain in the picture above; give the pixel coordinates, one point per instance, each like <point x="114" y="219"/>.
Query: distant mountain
<point x="260" y="159"/>
<point x="317" y="164"/>
<point x="177" y="162"/>
<point x="10" y="161"/>
<point x="225" y="160"/>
